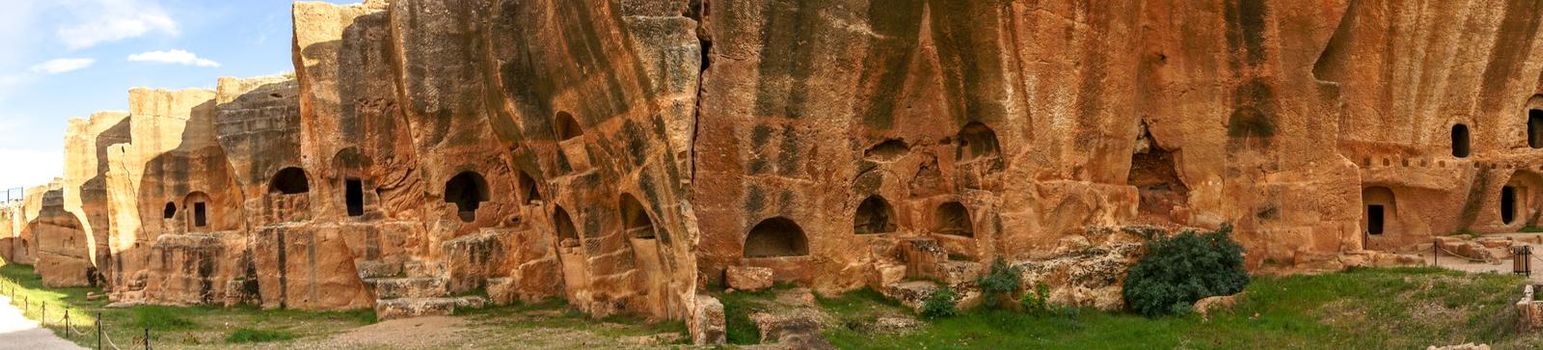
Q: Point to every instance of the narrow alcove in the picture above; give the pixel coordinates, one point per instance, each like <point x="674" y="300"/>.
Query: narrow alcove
<point x="953" y="218"/>
<point x="874" y="215"/>
<point x="567" y="234"/>
<point x="1460" y="140"/>
<point x="200" y="214"/>
<point x="635" y="219"/>
<point x="290" y="181"/>
<point x="528" y="188"/>
<point x="977" y="141"/>
<point x="1507" y="204"/>
<point x="1375" y="217"/>
<point x="776" y="237"/>
<point x="1381" y="209"/>
<point x="353" y="196"/>
<point x="467" y="191"/>
<point x="1535" y="128"/>
<point x="197" y="203"/>
<point x="567" y="128"/>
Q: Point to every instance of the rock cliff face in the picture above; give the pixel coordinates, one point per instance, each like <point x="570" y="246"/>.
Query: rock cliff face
<point x="624" y="154"/>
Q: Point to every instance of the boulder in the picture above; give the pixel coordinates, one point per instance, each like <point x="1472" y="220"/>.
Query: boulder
<point x="749" y="278"/>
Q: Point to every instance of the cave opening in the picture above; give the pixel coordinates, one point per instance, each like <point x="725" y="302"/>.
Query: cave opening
<point x="567" y="127"/>
<point x="567" y="234"/>
<point x="776" y="237"/>
<point x="200" y="215"/>
<point x="1507" y="204"/>
<point x="467" y="190"/>
<point x="170" y="211"/>
<point x="1535" y="128"/>
<point x="1374" y="219"/>
<point x="528" y="188"/>
<point x="291" y="180"/>
<point x="874" y="215"/>
<point x="1460" y="141"/>
<point x="977" y="141"/>
<point x="353" y="196"/>
<point x="1154" y="173"/>
<point x="953" y="218"/>
<point x="1381" y="210"/>
<point x="635" y="219"/>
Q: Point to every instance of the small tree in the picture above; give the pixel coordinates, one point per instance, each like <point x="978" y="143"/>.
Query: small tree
<point x="1179" y="270"/>
<point x="1002" y="280"/>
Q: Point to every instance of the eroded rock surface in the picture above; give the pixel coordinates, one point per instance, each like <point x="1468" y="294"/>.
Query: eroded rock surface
<point x="625" y="155"/>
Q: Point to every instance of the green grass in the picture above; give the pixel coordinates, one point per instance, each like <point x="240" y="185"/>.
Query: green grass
<point x="245" y="335"/>
<point x="1359" y="309"/>
<point x="557" y="314"/>
<point x="160" y="318"/>
<point x="1532" y="229"/>
<point x="169" y="326"/>
<point x="737" y="307"/>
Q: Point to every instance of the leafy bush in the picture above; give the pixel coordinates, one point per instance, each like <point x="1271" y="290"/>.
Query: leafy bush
<point x="1003" y="279"/>
<point x="245" y="335"/>
<point x="1036" y="301"/>
<point x="941" y="303"/>
<point x="1179" y="270"/>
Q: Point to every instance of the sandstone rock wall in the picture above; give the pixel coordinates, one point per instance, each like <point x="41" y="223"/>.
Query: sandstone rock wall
<point x="625" y="154"/>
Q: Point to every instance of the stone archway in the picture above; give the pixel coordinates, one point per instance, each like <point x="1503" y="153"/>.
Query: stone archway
<point x="776" y="237"/>
<point x="874" y="215"/>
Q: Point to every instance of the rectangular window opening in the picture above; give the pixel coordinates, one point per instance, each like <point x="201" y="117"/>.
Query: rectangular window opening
<point x="354" y="194"/>
<point x="200" y="215"/>
<point x="1374" y="219"/>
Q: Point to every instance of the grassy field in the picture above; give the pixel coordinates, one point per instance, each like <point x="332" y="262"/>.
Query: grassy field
<point x="1405" y="308"/>
<point x="169" y="327"/>
<point x="1361" y="309"/>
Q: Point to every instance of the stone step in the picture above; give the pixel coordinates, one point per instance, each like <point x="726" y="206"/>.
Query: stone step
<point x="409" y="287"/>
<point x="419" y="268"/>
<point x="390" y="309"/>
<point x="379" y="269"/>
<point x="413" y="307"/>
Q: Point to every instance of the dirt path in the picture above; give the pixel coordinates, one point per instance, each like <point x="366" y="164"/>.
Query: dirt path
<point x="18" y="332"/>
<point x="1502" y="266"/>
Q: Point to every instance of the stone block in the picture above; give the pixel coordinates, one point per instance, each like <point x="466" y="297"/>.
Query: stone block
<point x="749" y="277"/>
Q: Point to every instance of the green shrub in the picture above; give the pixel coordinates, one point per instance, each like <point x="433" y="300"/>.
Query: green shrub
<point x="942" y="303"/>
<point x="1036" y="301"/>
<point x="1179" y="270"/>
<point x="244" y="335"/>
<point x="1003" y="279"/>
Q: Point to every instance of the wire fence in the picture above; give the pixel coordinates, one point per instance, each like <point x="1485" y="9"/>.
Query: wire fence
<point x="70" y="322"/>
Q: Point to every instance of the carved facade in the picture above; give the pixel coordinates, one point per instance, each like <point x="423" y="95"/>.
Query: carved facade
<point x="623" y="155"/>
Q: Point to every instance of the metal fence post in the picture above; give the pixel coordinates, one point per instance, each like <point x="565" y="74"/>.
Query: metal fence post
<point x="147" y="339"/>
<point x="99" y="330"/>
<point x="66" y="323"/>
<point x="44" y="318"/>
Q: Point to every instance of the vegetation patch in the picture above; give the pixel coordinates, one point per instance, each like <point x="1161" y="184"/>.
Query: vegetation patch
<point x="1177" y="271"/>
<point x="245" y="335"/>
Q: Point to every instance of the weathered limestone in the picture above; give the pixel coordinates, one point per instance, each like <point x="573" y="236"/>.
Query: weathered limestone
<point x="629" y="155"/>
<point x="62" y="245"/>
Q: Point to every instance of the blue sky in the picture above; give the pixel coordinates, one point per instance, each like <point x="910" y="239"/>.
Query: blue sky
<point x="68" y="58"/>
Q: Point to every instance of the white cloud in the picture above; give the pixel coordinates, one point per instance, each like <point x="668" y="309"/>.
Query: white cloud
<point x="62" y="65"/>
<point x="173" y="57"/>
<point x="29" y="167"/>
<point x="104" y="21"/>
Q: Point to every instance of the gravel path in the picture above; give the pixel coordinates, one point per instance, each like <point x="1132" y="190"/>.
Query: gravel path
<point x="18" y="332"/>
